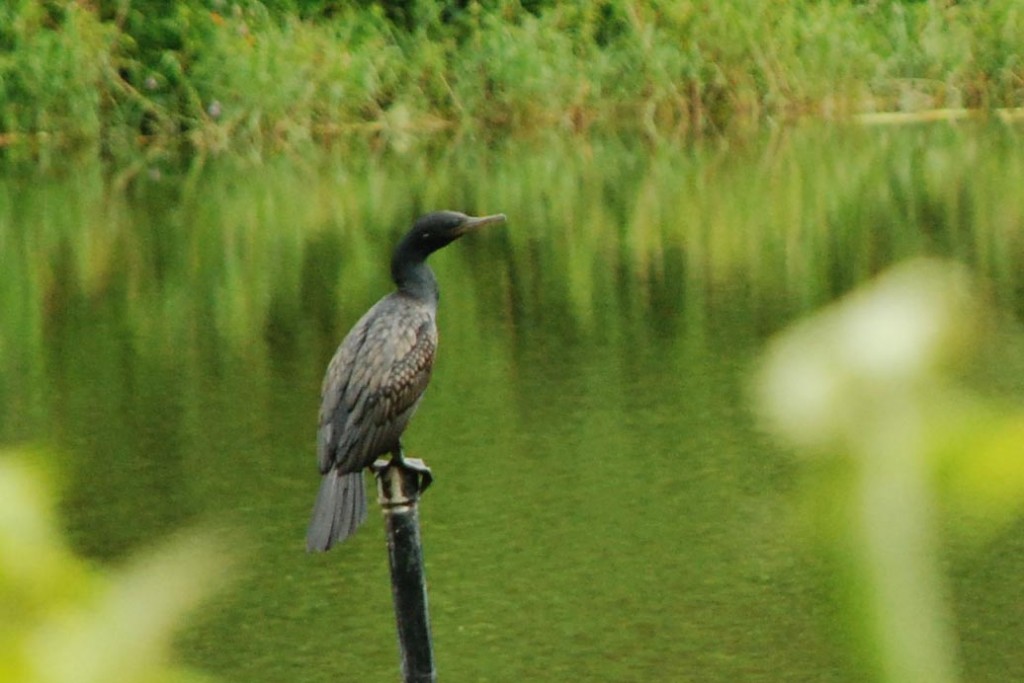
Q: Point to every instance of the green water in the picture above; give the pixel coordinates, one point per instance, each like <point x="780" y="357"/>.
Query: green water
<point x="604" y="506"/>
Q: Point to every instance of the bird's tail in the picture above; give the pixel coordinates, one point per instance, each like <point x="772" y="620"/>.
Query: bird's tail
<point x="339" y="510"/>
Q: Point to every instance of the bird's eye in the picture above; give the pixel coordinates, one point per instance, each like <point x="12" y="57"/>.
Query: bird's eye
<point x="425" y="235"/>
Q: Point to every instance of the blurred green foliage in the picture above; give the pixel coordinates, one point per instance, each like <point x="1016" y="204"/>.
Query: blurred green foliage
<point x="52" y="57"/>
<point x="63" y="620"/>
<point x="872" y="383"/>
<point x="157" y="45"/>
<point x="210" y="75"/>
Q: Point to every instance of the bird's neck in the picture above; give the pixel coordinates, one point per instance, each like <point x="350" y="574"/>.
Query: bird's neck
<point x="413" y="276"/>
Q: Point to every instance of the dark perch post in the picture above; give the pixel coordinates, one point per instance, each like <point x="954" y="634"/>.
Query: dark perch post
<point x="398" y="490"/>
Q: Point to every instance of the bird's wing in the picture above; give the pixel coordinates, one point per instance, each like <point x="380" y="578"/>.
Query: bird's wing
<point x="334" y="411"/>
<point x="377" y="376"/>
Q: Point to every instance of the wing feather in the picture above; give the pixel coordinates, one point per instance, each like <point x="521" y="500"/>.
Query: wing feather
<point x="374" y="383"/>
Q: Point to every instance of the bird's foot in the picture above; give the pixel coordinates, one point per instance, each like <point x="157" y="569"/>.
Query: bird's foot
<point x="426" y="477"/>
<point x="417" y="466"/>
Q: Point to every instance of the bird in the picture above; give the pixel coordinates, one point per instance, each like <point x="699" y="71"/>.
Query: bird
<point x="376" y="379"/>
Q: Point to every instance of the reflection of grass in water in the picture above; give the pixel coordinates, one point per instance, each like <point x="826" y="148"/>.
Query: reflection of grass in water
<point x="785" y="223"/>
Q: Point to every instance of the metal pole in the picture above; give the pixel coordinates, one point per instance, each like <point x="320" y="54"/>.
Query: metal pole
<point x="398" y="490"/>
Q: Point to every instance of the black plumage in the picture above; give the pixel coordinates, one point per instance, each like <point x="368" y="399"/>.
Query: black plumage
<point x="377" y="377"/>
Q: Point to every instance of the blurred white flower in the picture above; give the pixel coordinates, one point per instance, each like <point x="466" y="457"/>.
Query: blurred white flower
<point x="824" y="378"/>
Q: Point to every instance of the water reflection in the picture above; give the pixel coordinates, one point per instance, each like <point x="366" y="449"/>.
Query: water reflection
<point x="604" y="507"/>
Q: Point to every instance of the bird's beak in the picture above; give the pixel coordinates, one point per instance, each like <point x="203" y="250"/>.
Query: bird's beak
<point x="474" y="223"/>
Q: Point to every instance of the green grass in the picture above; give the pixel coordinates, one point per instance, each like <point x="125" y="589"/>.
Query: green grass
<point x="250" y="77"/>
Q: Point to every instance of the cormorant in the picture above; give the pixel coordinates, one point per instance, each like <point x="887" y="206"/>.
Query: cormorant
<point x="377" y="376"/>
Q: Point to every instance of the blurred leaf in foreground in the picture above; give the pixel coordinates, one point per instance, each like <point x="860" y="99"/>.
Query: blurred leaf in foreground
<point x="62" y="620"/>
<point x="872" y="380"/>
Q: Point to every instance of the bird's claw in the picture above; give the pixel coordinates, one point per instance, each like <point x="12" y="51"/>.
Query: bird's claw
<point x="426" y="477"/>
<point x="420" y="467"/>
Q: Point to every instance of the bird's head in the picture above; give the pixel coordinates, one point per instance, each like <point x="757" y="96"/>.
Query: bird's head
<point x="440" y="228"/>
<point x="428" y="234"/>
